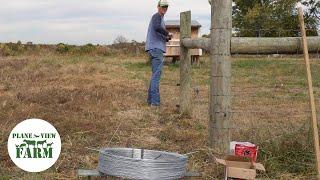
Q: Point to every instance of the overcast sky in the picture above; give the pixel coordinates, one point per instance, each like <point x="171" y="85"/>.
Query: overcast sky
<point x="88" y="21"/>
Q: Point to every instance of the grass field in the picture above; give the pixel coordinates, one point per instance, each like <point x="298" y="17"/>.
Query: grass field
<point x="86" y="98"/>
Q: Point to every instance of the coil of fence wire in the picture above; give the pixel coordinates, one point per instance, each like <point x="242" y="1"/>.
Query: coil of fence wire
<point x="142" y="164"/>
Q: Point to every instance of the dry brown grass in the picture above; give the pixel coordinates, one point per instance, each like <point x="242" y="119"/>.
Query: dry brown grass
<point x="86" y="98"/>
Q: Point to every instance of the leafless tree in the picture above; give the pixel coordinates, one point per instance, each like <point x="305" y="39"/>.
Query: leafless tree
<point x="120" y="40"/>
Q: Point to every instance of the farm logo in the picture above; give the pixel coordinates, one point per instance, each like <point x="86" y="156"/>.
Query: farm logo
<point x="34" y="145"/>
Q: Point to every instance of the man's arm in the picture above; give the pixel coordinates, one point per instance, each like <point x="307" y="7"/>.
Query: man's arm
<point x="157" y="25"/>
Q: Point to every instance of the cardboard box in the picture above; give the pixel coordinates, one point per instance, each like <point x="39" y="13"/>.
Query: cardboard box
<point x="240" y="167"/>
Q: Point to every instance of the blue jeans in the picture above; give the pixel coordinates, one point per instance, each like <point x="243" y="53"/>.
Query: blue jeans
<point x="156" y="56"/>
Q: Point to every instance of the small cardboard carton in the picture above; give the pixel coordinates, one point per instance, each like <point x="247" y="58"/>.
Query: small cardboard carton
<point x="240" y="167"/>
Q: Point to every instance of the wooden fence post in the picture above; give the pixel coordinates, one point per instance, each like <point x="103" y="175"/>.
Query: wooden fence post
<point x="221" y="25"/>
<point x="185" y="65"/>
<point x="310" y="88"/>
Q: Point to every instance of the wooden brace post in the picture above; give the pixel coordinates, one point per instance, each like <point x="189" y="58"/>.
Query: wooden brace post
<point x="185" y="65"/>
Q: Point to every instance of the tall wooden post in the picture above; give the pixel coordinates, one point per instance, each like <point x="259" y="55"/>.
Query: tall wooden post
<point x="221" y="29"/>
<point x="185" y="65"/>
<point x="311" y="95"/>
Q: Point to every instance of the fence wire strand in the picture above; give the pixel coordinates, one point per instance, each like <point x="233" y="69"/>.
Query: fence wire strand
<point x="275" y="98"/>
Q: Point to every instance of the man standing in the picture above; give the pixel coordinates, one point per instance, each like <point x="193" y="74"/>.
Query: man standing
<point x="156" y="46"/>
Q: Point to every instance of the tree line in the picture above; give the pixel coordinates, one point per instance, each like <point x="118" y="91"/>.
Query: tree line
<point x="273" y="18"/>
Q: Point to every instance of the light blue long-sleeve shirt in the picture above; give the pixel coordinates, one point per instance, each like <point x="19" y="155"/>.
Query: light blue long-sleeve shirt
<point x="157" y="34"/>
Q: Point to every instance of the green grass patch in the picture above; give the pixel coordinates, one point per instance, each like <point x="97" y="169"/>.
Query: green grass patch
<point x="292" y="153"/>
<point x="137" y="66"/>
<point x="50" y="62"/>
<point x="252" y="63"/>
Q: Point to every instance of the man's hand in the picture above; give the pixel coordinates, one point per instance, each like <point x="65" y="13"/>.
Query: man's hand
<point x="169" y="37"/>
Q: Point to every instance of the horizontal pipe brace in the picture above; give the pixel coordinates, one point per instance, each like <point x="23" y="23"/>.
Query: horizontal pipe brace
<point x="256" y="45"/>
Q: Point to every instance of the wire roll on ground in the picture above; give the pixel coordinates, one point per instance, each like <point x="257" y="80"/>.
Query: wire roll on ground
<point x="142" y="164"/>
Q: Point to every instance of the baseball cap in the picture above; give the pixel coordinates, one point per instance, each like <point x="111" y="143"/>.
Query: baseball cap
<point x="163" y="3"/>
